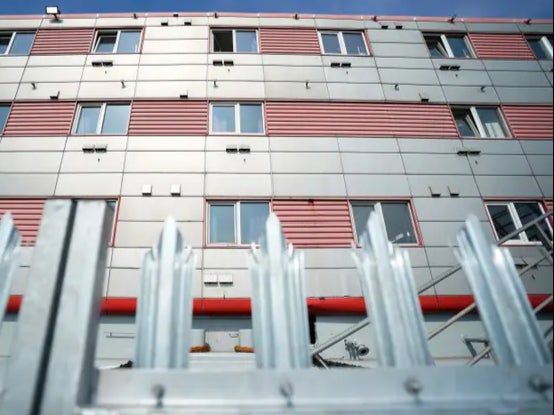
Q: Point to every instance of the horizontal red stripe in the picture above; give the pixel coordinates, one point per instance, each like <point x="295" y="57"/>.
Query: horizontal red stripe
<point x="289" y="40"/>
<point x="501" y="46"/>
<point x="530" y="121"/>
<point x="62" y="41"/>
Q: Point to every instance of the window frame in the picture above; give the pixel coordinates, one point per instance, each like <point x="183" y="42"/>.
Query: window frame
<point x="118" y="32"/>
<point x="446" y="45"/>
<point x="12" y="39"/>
<point x="547" y="45"/>
<point x="342" y="44"/>
<point x="235" y="105"/>
<point x="482" y="134"/>
<point x="377" y="203"/>
<point x="516" y="220"/>
<point x="101" y="117"/>
<point x="236" y="222"/>
<point x="234" y="36"/>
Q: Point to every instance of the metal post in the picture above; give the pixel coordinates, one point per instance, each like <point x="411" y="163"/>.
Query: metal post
<point x="501" y="298"/>
<point x="9" y="248"/>
<point x="391" y="299"/>
<point x="279" y="309"/>
<point x="164" y="315"/>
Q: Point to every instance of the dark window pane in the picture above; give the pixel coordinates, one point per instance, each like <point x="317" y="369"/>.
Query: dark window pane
<point x="222" y="223"/>
<point x="361" y="214"/>
<point x="330" y="43"/>
<point x="502" y="220"/>
<point x="435" y="47"/>
<point x="251" y="120"/>
<point x="398" y="222"/>
<point x="223" y="40"/>
<point x="106" y="43"/>
<point x="459" y="47"/>
<point x="22" y="43"/>
<point x="538" y="48"/>
<point x="354" y="43"/>
<point x="223" y="119"/>
<point x="88" y="120"/>
<point x="464" y="122"/>
<point x="252" y="220"/>
<point x="247" y="41"/>
<point x="128" y="42"/>
<point x="4" y="42"/>
<point x="4" y="110"/>
<point x="527" y="212"/>
<point x="116" y="119"/>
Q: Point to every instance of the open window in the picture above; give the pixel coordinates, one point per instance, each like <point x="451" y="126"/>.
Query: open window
<point x="117" y="41"/>
<point x="236" y="222"/>
<point x="234" y="40"/>
<point x="448" y="46"/>
<point x="541" y="46"/>
<point x="102" y="118"/>
<point x="237" y="118"/>
<point x="343" y="43"/>
<point x="480" y="122"/>
<point x="16" y="43"/>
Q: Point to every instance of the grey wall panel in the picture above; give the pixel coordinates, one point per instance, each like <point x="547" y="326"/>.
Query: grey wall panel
<point x="423" y="276"/>
<point x="221" y="162"/>
<point x="171" y="89"/>
<point x="128" y="257"/>
<point x="304" y="144"/>
<point x="172" y="73"/>
<point x="493" y="27"/>
<point x="470" y="94"/>
<point x="405" y="63"/>
<point x="67" y="90"/>
<point x="368" y="145"/>
<point x="400" y="50"/>
<point x="546" y="184"/>
<point x="473" y="78"/>
<point x="255" y="144"/>
<point x="528" y="95"/>
<point x="238" y="185"/>
<point x="494" y="146"/>
<point x="336" y="23"/>
<point x="412" y="93"/>
<point x="464" y="185"/>
<point x="32" y="144"/>
<point x="117" y="59"/>
<point x="249" y="59"/>
<point x="100" y="90"/>
<point x="117" y="73"/>
<point x="363" y="185"/>
<point x="513" y="78"/>
<point x="8" y="91"/>
<point x="112" y="143"/>
<point x="550" y="77"/>
<point x="457" y="26"/>
<point x="166" y="143"/>
<point x="351" y="75"/>
<point x="508" y="186"/>
<point x="539" y="281"/>
<point x="164" y="162"/>
<point x="54" y="73"/>
<point x="236" y="73"/>
<point x="421" y="145"/>
<point x="454" y="285"/>
<point x="394" y="36"/>
<point x="111" y="162"/>
<point x="536" y="28"/>
<point x="436" y="164"/>
<point x="175" y="46"/>
<point x="366" y="92"/>
<point x="123" y="283"/>
<point x="97" y="184"/>
<point x="178" y="59"/>
<point x="541" y="165"/>
<point x="449" y="209"/>
<point x="392" y="24"/>
<point x="296" y="90"/>
<point x="307" y="185"/>
<point x="8" y="75"/>
<point x="292" y="74"/>
<point x="145" y="234"/>
<point x="177" y="32"/>
<point x="177" y="21"/>
<point x="286" y="60"/>
<point x="30" y="162"/>
<point x="184" y="209"/>
<point x="418" y="258"/>
<point x="380" y="163"/>
<point x="306" y="163"/>
<point x="27" y="184"/>
<point x="444" y="233"/>
<point x="222" y="258"/>
<point x="354" y="61"/>
<point x="191" y="184"/>
<point x="236" y="89"/>
<point x="328" y="258"/>
<point x="21" y="23"/>
<point x="118" y="21"/>
<point x="240" y="288"/>
<point x="332" y="283"/>
<point x="546" y="65"/>
<point x="537" y="146"/>
<point x="441" y="257"/>
<point x="500" y="164"/>
<point x="13" y="61"/>
<point x="511" y="65"/>
<point x="409" y="76"/>
<point x="465" y="64"/>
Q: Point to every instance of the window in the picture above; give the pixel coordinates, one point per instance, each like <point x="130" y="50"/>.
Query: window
<point x="98" y="118"/>
<point x="239" y="222"/>
<point x="480" y="122"/>
<point x="16" y="43"/>
<point x="239" y="118"/>
<point x="542" y="46"/>
<point x="117" y="41"/>
<point x="448" y="46"/>
<point x="507" y="217"/>
<point x="396" y="215"/>
<point x="4" y="111"/>
<point x="343" y="43"/>
<point x="239" y="41"/>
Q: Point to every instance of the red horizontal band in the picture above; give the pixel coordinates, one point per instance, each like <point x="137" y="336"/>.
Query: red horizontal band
<point x="317" y="306"/>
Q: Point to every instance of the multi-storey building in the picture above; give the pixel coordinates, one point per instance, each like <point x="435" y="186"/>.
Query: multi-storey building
<point x="217" y="119"/>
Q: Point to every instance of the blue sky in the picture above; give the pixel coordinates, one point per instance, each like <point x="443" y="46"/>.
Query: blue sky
<point x="467" y="8"/>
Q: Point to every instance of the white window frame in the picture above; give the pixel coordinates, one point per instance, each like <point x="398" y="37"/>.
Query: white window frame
<point x="446" y="44"/>
<point x="479" y="124"/>
<point x="234" y="35"/>
<point x="545" y="42"/>
<point x="12" y="39"/>
<point x="101" y="115"/>
<point x="236" y="106"/>
<point x="342" y="44"/>
<point x="522" y="237"/>
<point x="236" y="222"/>
<point x="116" y="44"/>
<point x="378" y="206"/>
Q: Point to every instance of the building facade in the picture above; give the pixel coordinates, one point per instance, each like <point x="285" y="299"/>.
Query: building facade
<point x="217" y="119"/>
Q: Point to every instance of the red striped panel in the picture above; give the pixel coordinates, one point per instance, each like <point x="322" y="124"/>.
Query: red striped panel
<point x="289" y="40"/>
<point x="26" y="215"/>
<point x="501" y="46"/>
<point x="318" y="223"/>
<point x="62" y="41"/>
<point x="169" y="118"/>
<point x="48" y="118"/>
<point x="529" y="122"/>
<point x="359" y="119"/>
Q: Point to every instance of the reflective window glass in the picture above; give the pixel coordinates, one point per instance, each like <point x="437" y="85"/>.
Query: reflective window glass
<point x="247" y="41"/>
<point x="330" y="43"/>
<point x="459" y="47"/>
<point x="354" y="43"/>
<point x="398" y="222"/>
<point x="251" y="119"/>
<point x="88" y="120"/>
<point x="129" y="42"/>
<point x="4" y="111"/>
<point x="222" y="223"/>
<point x="223" y="119"/>
<point x="105" y="43"/>
<point x="116" y="119"/>
<point x="252" y="220"/>
<point x="491" y="122"/>
<point x="501" y="220"/>
<point x="22" y="43"/>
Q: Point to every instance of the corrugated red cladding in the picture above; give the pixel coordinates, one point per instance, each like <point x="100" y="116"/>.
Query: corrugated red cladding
<point x="318" y="223"/>
<point x="40" y="118"/>
<point x="62" y="41"/>
<point x="529" y="122"/>
<point x="501" y="46"/>
<point x="26" y="215"/>
<point x="289" y="40"/>
<point x="364" y="119"/>
<point x="169" y="118"/>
